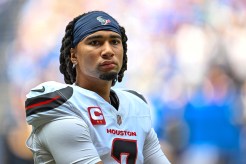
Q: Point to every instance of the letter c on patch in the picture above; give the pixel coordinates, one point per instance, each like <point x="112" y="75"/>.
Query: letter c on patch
<point x="96" y="116"/>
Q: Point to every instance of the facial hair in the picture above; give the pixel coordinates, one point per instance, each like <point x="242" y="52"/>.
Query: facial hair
<point x="108" y="76"/>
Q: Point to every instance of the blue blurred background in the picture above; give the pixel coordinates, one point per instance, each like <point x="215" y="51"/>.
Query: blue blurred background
<point x="187" y="57"/>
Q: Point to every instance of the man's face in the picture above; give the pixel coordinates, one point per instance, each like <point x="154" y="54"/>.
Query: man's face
<point x="99" y="55"/>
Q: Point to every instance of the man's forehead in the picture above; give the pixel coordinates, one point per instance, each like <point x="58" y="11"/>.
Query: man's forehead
<point x="103" y="34"/>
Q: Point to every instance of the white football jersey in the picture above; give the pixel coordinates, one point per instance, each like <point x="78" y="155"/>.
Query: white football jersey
<point x="119" y="136"/>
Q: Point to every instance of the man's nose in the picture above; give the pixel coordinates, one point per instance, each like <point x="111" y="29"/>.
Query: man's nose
<point x="107" y="50"/>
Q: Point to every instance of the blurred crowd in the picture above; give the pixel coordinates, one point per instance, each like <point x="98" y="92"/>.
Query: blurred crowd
<point x="187" y="57"/>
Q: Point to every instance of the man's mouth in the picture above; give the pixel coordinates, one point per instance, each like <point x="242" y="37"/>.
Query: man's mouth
<point x="107" y="65"/>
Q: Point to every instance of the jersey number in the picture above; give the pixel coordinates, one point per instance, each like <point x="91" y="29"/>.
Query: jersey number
<point x="125" y="147"/>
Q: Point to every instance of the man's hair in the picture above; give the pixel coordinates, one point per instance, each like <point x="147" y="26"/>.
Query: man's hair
<point x="66" y="66"/>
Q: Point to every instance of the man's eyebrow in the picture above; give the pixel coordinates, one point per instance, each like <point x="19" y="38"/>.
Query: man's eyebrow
<point x="115" y="36"/>
<point x="93" y="37"/>
<point x="101" y="36"/>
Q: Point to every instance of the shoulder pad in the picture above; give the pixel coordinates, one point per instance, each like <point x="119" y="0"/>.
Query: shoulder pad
<point x="44" y="88"/>
<point x="45" y="97"/>
<point x="138" y="95"/>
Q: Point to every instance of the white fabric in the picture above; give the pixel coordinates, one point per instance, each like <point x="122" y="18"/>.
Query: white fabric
<point x="68" y="134"/>
<point x="68" y="141"/>
<point x="152" y="150"/>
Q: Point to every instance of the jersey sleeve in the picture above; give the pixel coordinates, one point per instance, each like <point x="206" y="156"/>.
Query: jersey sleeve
<point x="152" y="150"/>
<point x="46" y="96"/>
<point x="68" y="141"/>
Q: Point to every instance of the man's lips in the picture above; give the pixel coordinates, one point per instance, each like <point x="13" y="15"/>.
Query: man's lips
<point x="107" y="65"/>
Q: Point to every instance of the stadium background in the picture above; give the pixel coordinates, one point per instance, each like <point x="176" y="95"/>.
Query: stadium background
<point x="187" y="57"/>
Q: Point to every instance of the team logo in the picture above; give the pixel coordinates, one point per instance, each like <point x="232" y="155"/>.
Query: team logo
<point x="39" y="90"/>
<point x="96" y="116"/>
<point x="103" y="21"/>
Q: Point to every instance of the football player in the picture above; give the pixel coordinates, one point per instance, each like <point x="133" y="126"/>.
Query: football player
<point x="85" y="120"/>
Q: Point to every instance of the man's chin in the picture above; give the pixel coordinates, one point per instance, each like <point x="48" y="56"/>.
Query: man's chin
<point x="108" y="76"/>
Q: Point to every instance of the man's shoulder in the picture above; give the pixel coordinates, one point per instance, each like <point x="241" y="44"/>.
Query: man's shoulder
<point x="45" y="88"/>
<point x="132" y="94"/>
<point x="47" y="96"/>
<point x="139" y="95"/>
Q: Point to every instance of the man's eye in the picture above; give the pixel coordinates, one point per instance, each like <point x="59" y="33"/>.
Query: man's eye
<point x="115" y="42"/>
<point x="94" y="43"/>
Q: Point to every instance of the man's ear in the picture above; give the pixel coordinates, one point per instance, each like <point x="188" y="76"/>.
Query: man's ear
<point x="73" y="55"/>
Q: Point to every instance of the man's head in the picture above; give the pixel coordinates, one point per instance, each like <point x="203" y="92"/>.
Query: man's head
<point x="80" y="32"/>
